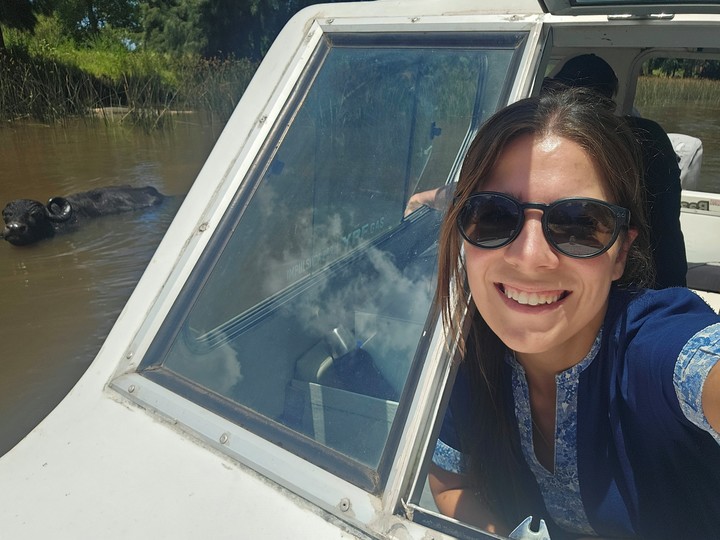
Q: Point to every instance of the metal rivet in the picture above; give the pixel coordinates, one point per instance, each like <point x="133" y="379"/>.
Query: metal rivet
<point x="262" y="119"/>
<point x="415" y="19"/>
<point x="131" y="388"/>
<point x="224" y="438"/>
<point x="344" y="504"/>
<point x="129" y="355"/>
<point x="330" y="21"/>
<point x="203" y="227"/>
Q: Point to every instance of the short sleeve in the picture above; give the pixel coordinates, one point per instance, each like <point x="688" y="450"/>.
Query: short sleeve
<point x="448" y="458"/>
<point x="699" y="355"/>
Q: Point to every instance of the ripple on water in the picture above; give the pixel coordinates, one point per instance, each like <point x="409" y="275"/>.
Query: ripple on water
<point x="60" y="298"/>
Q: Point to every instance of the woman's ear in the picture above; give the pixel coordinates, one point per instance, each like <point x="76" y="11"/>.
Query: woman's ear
<point x="622" y="254"/>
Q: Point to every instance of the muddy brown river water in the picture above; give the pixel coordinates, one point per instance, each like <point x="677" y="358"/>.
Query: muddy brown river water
<point x="59" y="298"/>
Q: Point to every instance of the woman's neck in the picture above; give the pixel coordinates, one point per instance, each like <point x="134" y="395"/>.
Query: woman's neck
<point x="541" y="367"/>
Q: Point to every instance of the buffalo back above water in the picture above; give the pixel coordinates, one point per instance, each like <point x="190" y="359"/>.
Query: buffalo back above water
<point x="27" y="221"/>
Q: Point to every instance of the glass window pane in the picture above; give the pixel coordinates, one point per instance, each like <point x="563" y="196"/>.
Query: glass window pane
<point x="310" y="304"/>
<point x="681" y="94"/>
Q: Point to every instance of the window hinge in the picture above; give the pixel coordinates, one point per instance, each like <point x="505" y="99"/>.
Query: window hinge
<point x="408" y="510"/>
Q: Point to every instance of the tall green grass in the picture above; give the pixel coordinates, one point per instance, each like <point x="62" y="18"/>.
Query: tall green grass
<point x="661" y="91"/>
<point x="48" y="77"/>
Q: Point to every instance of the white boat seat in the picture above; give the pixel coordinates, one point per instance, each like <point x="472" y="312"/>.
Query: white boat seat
<point x="689" y="150"/>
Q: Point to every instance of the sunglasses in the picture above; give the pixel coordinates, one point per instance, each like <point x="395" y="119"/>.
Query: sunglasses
<point x="577" y="227"/>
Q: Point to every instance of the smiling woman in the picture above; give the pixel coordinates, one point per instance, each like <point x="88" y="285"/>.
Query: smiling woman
<point x="589" y="411"/>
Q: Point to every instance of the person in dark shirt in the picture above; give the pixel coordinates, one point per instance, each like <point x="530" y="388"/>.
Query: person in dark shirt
<point x="661" y="175"/>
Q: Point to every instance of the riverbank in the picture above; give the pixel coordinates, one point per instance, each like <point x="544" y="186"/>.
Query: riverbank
<point x="145" y="86"/>
<point x="50" y="80"/>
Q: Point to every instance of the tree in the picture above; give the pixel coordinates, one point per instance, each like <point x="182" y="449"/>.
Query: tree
<point x="84" y="18"/>
<point x="212" y="28"/>
<point x="20" y="14"/>
<point x="216" y="28"/>
<point x="173" y="26"/>
<point x="684" y="68"/>
<point x="246" y="28"/>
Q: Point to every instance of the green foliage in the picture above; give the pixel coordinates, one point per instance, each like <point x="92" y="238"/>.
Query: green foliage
<point x="45" y="89"/>
<point x="683" y="68"/>
<point x="48" y="76"/>
<point x="17" y="14"/>
<point x="47" y="39"/>
<point x="99" y="56"/>
<point x="216" y="28"/>
<point x="214" y="85"/>
<point x="173" y="26"/>
<point x="83" y="19"/>
<point x="150" y="56"/>
<point x="245" y="27"/>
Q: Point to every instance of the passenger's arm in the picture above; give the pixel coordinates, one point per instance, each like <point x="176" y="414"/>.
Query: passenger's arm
<point x="711" y="398"/>
<point x="454" y="498"/>
<point x="437" y="199"/>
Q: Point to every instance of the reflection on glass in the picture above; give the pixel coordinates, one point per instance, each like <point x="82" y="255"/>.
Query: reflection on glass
<point x="313" y="311"/>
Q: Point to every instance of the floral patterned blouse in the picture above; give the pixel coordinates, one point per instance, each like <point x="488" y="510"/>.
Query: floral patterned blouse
<point x="660" y="393"/>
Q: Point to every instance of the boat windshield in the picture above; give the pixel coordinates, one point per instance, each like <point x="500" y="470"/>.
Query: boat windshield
<point x="303" y="319"/>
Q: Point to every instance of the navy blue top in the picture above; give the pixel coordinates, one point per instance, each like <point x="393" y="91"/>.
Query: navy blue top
<point x="634" y="453"/>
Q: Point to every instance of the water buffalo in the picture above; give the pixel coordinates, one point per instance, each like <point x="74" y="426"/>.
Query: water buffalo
<point x="27" y="221"/>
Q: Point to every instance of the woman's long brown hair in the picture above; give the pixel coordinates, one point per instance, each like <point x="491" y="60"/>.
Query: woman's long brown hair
<point x="587" y="119"/>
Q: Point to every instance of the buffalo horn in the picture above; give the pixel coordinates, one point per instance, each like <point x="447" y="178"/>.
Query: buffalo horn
<point x="59" y="209"/>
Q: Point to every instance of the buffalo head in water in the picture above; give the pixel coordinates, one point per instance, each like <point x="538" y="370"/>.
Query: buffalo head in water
<point x="27" y="221"/>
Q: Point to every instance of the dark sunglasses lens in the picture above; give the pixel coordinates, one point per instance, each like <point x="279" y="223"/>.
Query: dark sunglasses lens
<point x="489" y="221"/>
<point x="581" y="228"/>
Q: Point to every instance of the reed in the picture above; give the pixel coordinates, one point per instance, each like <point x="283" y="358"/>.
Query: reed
<point x="47" y="78"/>
<point x="46" y="90"/>
<point x="663" y="91"/>
<point x="213" y="85"/>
